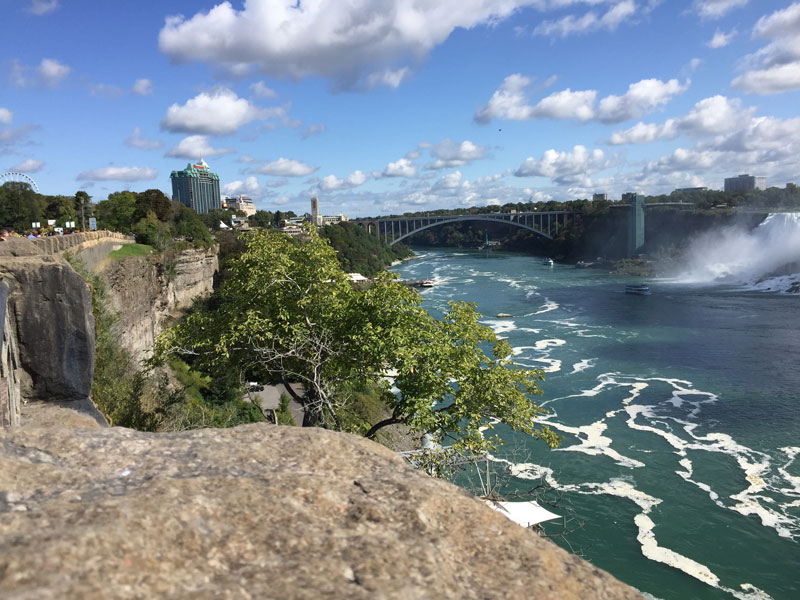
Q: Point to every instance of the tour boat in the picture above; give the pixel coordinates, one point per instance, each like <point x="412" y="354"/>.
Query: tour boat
<point x="427" y="283"/>
<point x="548" y="262"/>
<point x="639" y="289"/>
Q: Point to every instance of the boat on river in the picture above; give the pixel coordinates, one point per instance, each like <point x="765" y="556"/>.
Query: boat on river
<point x="639" y="289"/>
<point x="548" y="262"/>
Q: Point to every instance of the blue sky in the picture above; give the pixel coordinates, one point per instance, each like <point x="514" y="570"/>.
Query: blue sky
<point x="387" y="106"/>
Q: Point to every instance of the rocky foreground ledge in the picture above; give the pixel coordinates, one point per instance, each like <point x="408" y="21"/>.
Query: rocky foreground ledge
<point x="256" y="512"/>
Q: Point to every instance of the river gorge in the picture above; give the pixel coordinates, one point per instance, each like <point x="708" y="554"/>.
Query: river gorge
<point x="678" y="410"/>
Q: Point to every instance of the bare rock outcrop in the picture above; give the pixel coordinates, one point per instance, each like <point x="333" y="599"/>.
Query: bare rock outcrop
<point x="148" y="292"/>
<point x="257" y="511"/>
<point x="50" y="313"/>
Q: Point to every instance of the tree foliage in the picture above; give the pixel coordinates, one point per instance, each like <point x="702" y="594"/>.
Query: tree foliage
<point x="360" y="252"/>
<point x="287" y="312"/>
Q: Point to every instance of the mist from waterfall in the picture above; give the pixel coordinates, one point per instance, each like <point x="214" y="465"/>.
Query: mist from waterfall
<point x="765" y="258"/>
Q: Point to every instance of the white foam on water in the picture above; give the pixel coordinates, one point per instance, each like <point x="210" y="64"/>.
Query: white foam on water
<point x="499" y="326"/>
<point x="582" y="365"/>
<point x="646" y="537"/>
<point x="793" y="480"/>
<point x="548" y="306"/>
<point x="594" y="443"/>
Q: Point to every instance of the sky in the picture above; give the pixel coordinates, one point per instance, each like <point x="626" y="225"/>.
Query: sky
<point x="381" y="107"/>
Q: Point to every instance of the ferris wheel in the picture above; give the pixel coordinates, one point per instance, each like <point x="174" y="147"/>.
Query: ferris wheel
<point x="10" y="176"/>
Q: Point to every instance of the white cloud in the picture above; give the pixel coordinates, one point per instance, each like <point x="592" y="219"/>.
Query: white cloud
<point x="219" y="112"/>
<point x="710" y="116"/>
<point x="50" y="73"/>
<point x="642" y="133"/>
<point x="642" y="97"/>
<point x="775" y="68"/>
<point x="137" y="140"/>
<point x="510" y="102"/>
<point x="721" y="39"/>
<point x="260" y="90"/>
<point x="356" y="44"/>
<point x="142" y="87"/>
<point x="450" y="154"/>
<point x="118" y="174"/>
<point x="194" y="147"/>
<point x="248" y="187"/>
<point x="714" y="9"/>
<point x="617" y="14"/>
<point x="314" y="130"/>
<point x="274" y="183"/>
<point x="286" y="167"/>
<point x="401" y="168"/>
<point x="451" y="181"/>
<point x="42" y="7"/>
<point x="566" y="104"/>
<point x="565" y="167"/>
<point x="105" y="90"/>
<point x="28" y="166"/>
<point x="331" y="182"/>
<point x="10" y="137"/>
<point x="6" y="116"/>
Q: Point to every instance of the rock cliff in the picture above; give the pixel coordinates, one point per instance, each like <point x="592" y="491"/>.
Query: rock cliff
<point x="148" y="292"/>
<point x="257" y="511"/>
<point x="51" y="320"/>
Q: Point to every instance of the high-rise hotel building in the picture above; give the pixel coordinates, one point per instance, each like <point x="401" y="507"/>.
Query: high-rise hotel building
<point x="196" y="187"/>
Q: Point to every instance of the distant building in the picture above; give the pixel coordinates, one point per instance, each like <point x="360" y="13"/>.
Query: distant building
<point x="690" y="190"/>
<point x="315" y="212"/>
<point x="331" y="219"/>
<point x="242" y="203"/>
<point x="629" y="197"/>
<point x="596" y="197"/>
<point x="196" y="187"/>
<point x="744" y="183"/>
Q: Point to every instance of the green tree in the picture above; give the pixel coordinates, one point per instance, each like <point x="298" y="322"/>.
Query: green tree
<point x="215" y="216"/>
<point x="153" y="201"/>
<point x="116" y="213"/>
<point x="190" y="226"/>
<point x="20" y="206"/>
<point x="262" y="218"/>
<point x="288" y="312"/>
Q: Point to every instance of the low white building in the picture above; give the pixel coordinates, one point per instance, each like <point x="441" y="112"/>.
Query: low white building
<point x="242" y="203"/>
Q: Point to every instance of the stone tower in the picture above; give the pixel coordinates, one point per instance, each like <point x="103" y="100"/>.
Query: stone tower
<point x="315" y="212"/>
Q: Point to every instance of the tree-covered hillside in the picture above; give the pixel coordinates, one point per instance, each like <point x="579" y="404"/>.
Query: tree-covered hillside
<point x="360" y="252"/>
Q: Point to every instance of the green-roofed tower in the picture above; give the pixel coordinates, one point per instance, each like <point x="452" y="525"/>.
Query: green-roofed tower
<point x="196" y="187"/>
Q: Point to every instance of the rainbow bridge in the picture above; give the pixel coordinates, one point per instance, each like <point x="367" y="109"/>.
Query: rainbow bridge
<point x="395" y="229"/>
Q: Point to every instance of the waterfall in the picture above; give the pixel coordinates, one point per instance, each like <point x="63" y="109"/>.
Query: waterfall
<point x="765" y="258"/>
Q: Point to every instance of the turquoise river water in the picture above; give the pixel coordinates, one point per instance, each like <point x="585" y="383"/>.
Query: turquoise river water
<point x="679" y="413"/>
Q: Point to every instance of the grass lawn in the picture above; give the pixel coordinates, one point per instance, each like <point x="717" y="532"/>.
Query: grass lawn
<point x="131" y="250"/>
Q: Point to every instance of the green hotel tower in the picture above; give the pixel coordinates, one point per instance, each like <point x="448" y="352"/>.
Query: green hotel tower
<point x="196" y="187"/>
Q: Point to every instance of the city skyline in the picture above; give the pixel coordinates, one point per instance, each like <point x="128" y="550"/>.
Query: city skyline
<point x="384" y="106"/>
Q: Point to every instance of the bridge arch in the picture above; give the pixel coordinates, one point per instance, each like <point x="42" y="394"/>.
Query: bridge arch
<point x="395" y="229"/>
<point x="469" y="218"/>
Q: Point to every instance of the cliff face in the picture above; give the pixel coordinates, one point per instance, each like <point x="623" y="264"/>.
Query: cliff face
<point x="148" y="292"/>
<point x="50" y="319"/>
<point x="257" y="511"/>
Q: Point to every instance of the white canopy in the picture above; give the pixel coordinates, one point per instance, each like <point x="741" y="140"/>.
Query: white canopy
<point x="523" y="513"/>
